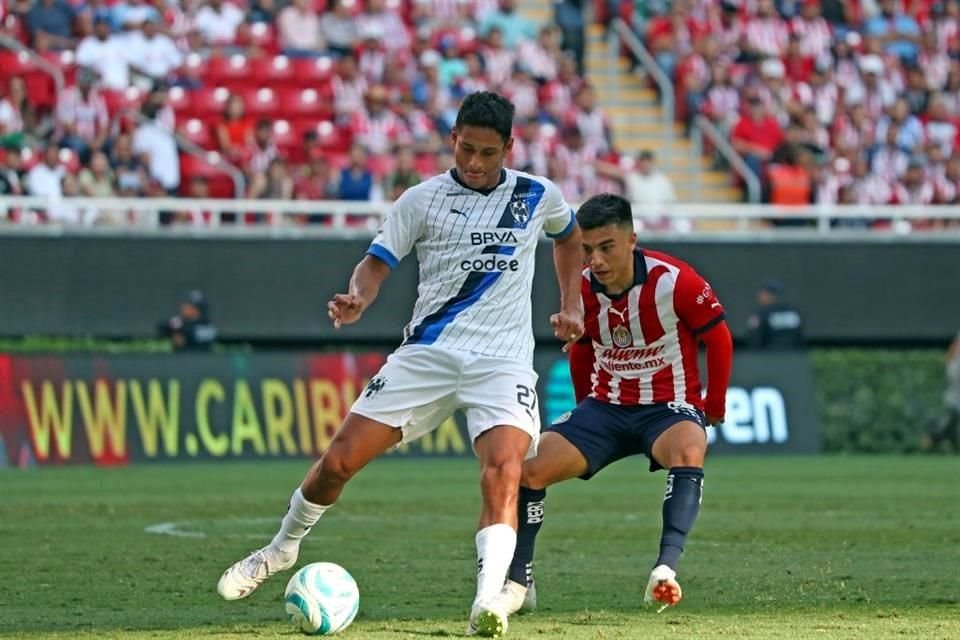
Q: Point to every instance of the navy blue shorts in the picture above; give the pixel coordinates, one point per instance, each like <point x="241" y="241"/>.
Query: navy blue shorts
<point x="605" y="433"/>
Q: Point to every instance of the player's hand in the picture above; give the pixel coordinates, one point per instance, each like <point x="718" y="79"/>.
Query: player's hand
<point x="345" y="308"/>
<point x="567" y="326"/>
<point x="713" y="421"/>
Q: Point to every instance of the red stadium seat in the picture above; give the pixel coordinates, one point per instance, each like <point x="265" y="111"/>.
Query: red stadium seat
<point x="312" y="73"/>
<point x="289" y="142"/>
<point x="305" y="104"/>
<point x="199" y="133"/>
<point x="129" y="99"/>
<point x="232" y="72"/>
<point x="207" y="103"/>
<point x="221" y="185"/>
<point x="179" y="100"/>
<point x="15" y="64"/>
<point x="41" y="90"/>
<point x="194" y="66"/>
<point x="66" y="61"/>
<point x="275" y="72"/>
<point x="330" y="137"/>
<point x="262" y="103"/>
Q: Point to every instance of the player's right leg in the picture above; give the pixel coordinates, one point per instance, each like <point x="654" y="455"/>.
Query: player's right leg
<point x="411" y="395"/>
<point x="359" y="440"/>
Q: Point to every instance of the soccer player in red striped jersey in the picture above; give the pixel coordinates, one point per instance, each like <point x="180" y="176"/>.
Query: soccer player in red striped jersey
<point x="637" y="382"/>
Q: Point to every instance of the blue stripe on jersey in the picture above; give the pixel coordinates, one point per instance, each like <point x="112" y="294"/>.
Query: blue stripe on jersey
<point x="380" y="251"/>
<point x="528" y="193"/>
<point x="523" y="203"/>
<point x="566" y="231"/>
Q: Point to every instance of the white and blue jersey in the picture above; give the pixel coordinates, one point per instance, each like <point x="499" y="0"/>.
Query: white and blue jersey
<point x="477" y="251"/>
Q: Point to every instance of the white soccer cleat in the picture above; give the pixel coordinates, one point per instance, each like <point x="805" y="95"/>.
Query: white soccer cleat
<point x="529" y="599"/>
<point x="245" y="576"/>
<point x="516" y="598"/>
<point x="488" y="620"/>
<point x="663" y="587"/>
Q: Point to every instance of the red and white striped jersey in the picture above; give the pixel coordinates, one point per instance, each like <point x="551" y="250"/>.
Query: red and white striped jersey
<point x="378" y="133"/>
<point x="645" y="339"/>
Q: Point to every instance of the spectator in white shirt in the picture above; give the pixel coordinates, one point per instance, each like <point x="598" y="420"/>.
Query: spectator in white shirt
<point x="218" y="22"/>
<point x="299" y="29"/>
<point x="154" y="53"/>
<point x="107" y="54"/>
<point x="158" y="148"/>
<point x="647" y="189"/>
<point x="45" y="179"/>
<point x="338" y="28"/>
<point x="645" y="185"/>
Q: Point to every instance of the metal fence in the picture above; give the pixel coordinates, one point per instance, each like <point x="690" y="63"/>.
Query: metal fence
<point x="327" y="217"/>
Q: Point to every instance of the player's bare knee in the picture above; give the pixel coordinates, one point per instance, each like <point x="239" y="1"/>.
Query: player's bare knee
<point x="501" y="473"/>
<point x="335" y="469"/>
<point x="533" y="478"/>
<point x="688" y="455"/>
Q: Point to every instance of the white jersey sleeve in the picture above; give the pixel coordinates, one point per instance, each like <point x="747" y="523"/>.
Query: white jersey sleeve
<point x="401" y="229"/>
<point x="558" y="219"/>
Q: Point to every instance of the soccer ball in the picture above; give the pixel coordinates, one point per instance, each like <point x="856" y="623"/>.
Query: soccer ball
<point x="322" y="598"/>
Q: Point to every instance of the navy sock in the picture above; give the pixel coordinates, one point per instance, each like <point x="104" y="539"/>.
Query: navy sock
<point x="681" y="503"/>
<point x="529" y="519"/>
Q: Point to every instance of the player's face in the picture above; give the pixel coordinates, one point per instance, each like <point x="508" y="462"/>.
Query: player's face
<point x="479" y="153"/>
<point x="609" y="254"/>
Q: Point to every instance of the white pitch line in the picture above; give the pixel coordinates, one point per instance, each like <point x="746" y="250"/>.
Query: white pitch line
<point x="173" y="529"/>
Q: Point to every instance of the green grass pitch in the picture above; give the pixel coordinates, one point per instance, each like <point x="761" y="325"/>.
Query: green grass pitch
<point x="785" y="547"/>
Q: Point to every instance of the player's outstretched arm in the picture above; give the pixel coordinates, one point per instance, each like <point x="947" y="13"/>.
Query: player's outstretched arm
<point x="568" y="262"/>
<point x="369" y="274"/>
<point x="719" y="345"/>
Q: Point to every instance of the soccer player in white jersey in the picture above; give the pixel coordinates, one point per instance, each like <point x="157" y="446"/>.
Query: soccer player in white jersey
<point x="636" y="378"/>
<point x="469" y="345"/>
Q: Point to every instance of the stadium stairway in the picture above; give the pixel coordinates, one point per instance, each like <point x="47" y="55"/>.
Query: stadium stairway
<point x="635" y="114"/>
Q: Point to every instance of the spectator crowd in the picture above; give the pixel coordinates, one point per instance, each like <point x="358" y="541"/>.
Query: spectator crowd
<point x="832" y="101"/>
<point x="314" y="99"/>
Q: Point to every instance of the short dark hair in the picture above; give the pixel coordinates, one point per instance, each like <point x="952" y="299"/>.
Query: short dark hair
<point x="603" y="209"/>
<point x="487" y="109"/>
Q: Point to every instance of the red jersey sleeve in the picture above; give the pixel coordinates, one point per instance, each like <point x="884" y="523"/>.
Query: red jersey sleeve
<point x="581" y="368"/>
<point x="697" y="307"/>
<point x="695" y="302"/>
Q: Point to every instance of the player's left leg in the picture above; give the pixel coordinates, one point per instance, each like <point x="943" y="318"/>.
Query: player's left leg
<point x="501" y="451"/>
<point x="681" y="450"/>
<point x="499" y="399"/>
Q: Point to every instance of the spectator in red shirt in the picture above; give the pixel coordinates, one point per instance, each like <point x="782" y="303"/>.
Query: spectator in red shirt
<point x="798" y="66"/>
<point x="756" y="135"/>
<point x="235" y="132"/>
<point x="670" y="38"/>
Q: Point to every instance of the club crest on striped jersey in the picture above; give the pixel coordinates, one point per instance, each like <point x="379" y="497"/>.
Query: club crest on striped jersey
<point x="622" y="336"/>
<point x="519" y="210"/>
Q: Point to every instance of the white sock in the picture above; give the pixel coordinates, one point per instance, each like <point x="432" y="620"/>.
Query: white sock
<point x="495" y="547"/>
<point x="301" y="516"/>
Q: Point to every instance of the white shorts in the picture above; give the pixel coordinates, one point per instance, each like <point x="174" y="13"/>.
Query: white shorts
<point x="421" y="386"/>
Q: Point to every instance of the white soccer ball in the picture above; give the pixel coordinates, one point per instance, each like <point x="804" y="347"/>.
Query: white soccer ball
<point x="322" y="598"/>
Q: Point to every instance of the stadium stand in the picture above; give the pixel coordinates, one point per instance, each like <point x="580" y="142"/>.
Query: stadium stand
<point x="827" y="103"/>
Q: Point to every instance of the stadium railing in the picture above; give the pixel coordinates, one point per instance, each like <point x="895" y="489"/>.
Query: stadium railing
<point x="629" y="39"/>
<point x="703" y="128"/>
<point x="29" y="214"/>
<point x="26" y="53"/>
